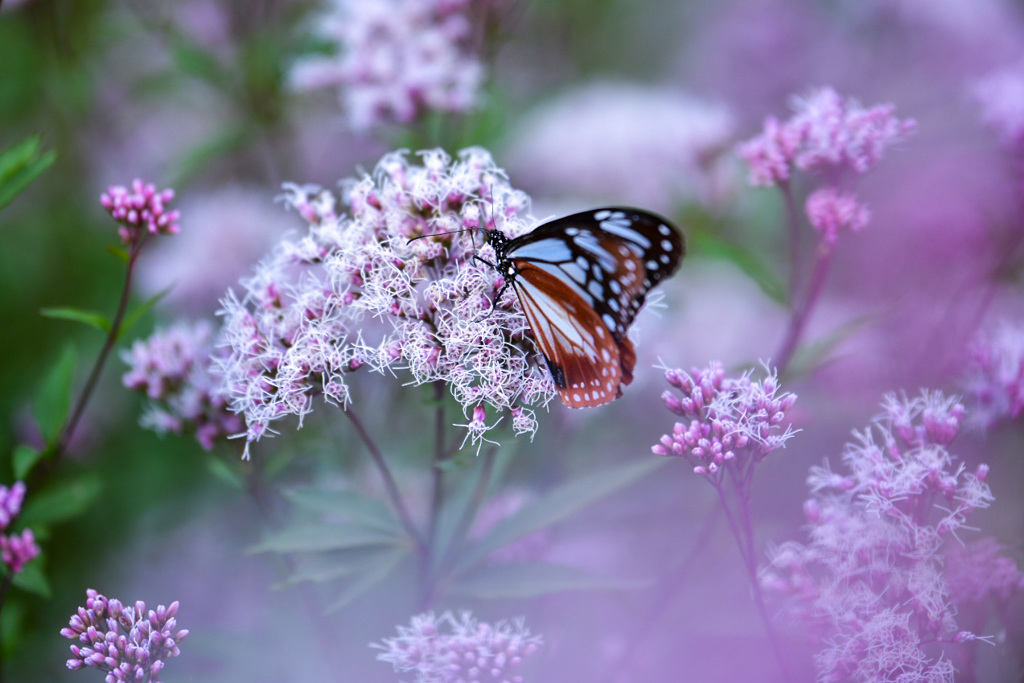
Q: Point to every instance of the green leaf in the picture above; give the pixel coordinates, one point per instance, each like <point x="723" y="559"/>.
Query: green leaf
<point x="325" y="567"/>
<point x="809" y="357"/>
<point x="20" y="164"/>
<point x="533" y="579"/>
<point x="226" y="473"/>
<point x="353" y="507"/>
<point x="373" y="573"/>
<point x="32" y="578"/>
<point x="53" y="401"/>
<point x="558" y="504"/>
<point x="745" y="260"/>
<point x="119" y="253"/>
<point x="90" y="318"/>
<point x="63" y="501"/>
<point x="129" y="320"/>
<point x="195" y="61"/>
<point x="222" y="143"/>
<point x="456" y="507"/>
<point x="23" y="460"/>
<point x="307" y="538"/>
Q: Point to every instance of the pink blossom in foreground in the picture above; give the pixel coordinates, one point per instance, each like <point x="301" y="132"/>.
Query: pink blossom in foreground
<point x="141" y="210"/>
<point x="449" y="648"/>
<point x="870" y="582"/>
<point x="398" y="58"/>
<point x="357" y="291"/>
<point x="125" y="641"/>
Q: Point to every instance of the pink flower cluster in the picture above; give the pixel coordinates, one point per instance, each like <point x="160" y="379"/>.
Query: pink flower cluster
<point x="831" y="138"/>
<point x="174" y="368"/>
<point x="995" y="378"/>
<point x="447" y="648"/>
<point x="398" y="58"/>
<point x="733" y="422"/>
<point x="1000" y="95"/>
<point x="126" y="642"/>
<point x="359" y="291"/>
<point x="16" y="549"/>
<point x="141" y="210"/>
<point x="871" y="581"/>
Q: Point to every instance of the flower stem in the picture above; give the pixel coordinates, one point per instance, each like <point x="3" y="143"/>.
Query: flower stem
<point x="802" y="310"/>
<point x="795" y="252"/>
<point x="389" y="482"/>
<point x="743" y="532"/>
<point x="60" y="446"/>
<point x="437" y="497"/>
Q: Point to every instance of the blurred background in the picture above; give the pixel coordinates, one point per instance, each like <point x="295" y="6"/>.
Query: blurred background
<point x="584" y="102"/>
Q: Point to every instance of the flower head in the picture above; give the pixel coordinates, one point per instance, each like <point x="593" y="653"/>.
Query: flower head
<point x="126" y="641"/>
<point x="995" y="378"/>
<point x="729" y="419"/>
<point x="175" y="369"/>
<point x="449" y="648"/>
<point x="1000" y="95"/>
<point x="16" y="549"/>
<point x="825" y="133"/>
<point x="833" y="139"/>
<point x="141" y="210"/>
<point x="398" y="58"/>
<point x="870" y="582"/>
<point x="388" y="283"/>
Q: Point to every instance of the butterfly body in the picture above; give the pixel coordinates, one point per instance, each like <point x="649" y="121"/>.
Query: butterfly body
<point x="581" y="280"/>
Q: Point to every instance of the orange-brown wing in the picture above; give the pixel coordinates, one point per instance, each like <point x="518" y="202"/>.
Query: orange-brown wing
<point x="589" y="366"/>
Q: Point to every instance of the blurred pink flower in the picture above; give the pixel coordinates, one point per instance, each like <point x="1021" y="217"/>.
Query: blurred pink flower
<point x="397" y="59"/>
<point x="1000" y="94"/>
<point x="626" y="143"/>
<point x="826" y="134"/>
<point x="450" y="648"/>
<point x="869" y="583"/>
<point x="996" y="374"/>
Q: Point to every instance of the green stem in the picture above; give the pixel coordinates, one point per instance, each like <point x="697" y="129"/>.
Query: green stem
<point x="389" y="483"/>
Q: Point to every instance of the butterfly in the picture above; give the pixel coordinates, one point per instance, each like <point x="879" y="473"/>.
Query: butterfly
<point x="581" y="280"/>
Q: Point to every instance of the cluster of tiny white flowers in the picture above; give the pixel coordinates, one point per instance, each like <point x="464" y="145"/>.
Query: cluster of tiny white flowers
<point x="398" y="58"/>
<point x="359" y="290"/>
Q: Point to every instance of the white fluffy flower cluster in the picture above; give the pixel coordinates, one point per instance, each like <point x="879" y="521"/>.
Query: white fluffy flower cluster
<point x="360" y="289"/>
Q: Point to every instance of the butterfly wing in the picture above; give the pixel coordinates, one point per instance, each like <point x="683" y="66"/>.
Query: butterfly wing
<point x="587" y="363"/>
<point x="581" y="281"/>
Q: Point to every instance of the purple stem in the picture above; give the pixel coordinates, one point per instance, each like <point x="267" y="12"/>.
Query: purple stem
<point x="802" y="311"/>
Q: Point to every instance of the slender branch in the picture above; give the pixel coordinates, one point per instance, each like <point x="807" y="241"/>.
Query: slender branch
<point x="802" y="311"/>
<point x="795" y="252"/>
<point x="437" y="498"/>
<point x="108" y="346"/>
<point x="475" y="501"/>
<point x="743" y="531"/>
<point x="389" y="482"/>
